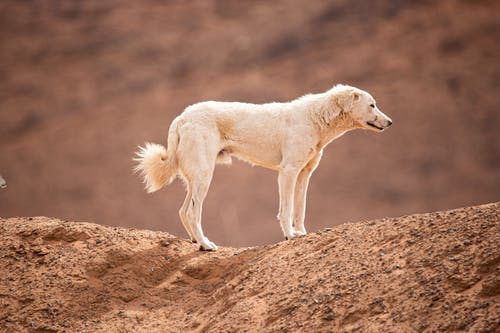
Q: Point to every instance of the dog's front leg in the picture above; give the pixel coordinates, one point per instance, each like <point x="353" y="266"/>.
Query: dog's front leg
<point x="286" y="180"/>
<point x="299" y="208"/>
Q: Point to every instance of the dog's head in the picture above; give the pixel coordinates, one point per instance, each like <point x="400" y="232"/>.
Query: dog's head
<point x="361" y="108"/>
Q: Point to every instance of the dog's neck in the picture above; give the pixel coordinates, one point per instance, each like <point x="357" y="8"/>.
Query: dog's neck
<point x="340" y="125"/>
<point x="329" y="131"/>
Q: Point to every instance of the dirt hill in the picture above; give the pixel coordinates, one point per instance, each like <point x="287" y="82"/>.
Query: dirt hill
<point x="82" y="83"/>
<point x="435" y="272"/>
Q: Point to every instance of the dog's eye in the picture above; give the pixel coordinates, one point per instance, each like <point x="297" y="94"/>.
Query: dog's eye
<point x="372" y="105"/>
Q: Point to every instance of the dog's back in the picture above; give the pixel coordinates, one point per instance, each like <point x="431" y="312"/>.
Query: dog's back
<point x="251" y="132"/>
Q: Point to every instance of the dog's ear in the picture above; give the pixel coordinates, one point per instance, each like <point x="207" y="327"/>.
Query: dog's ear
<point x="344" y="99"/>
<point x="339" y="103"/>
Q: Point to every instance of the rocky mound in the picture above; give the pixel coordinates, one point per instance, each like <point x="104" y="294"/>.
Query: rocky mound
<point x="429" y="272"/>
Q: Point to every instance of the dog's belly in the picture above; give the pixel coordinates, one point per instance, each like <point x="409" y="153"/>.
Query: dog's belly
<point x="267" y="156"/>
<point x="253" y="139"/>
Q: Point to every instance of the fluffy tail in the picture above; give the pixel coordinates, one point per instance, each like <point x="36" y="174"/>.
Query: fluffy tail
<point x="157" y="165"/>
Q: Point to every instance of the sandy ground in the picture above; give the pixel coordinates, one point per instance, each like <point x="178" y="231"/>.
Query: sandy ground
<point x="435" y="272"/>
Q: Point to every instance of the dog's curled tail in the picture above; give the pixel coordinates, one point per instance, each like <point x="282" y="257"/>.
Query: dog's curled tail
<point x="157" y="165"/>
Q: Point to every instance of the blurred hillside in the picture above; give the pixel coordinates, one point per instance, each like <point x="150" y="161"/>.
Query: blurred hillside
<point x="83" y="83"/>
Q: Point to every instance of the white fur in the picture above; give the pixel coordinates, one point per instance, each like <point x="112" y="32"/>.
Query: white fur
<point x="3" y="183"/>
<point x="150" y="166"/>
<point x="286" y="137"/>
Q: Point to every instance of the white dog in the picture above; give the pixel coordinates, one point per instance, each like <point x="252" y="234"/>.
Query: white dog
<point x="286" y="137"/>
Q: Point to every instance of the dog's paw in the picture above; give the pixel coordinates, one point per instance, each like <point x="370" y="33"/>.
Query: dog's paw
<point x="294" y="234"/>
<point x="208" y="246"/>
<point x="299" y="233"/>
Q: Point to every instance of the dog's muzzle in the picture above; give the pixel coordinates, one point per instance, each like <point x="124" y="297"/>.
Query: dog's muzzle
<point x="377" y="126"/>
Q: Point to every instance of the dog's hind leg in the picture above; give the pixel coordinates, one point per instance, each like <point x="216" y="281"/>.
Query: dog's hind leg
<point x="196" y="156"/>
<point x="183" y="214"/>
<point x="299" y="209"/>
<point x="199" y="191"/>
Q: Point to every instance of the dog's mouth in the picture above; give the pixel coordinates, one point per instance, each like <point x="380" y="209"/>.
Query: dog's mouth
<point x="374" y="126"/>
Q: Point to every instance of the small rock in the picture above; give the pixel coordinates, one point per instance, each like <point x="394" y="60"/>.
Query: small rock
<point x="329" y="317"/>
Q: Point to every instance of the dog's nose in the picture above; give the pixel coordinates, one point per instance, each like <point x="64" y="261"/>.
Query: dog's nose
<point x="389" y="123"/>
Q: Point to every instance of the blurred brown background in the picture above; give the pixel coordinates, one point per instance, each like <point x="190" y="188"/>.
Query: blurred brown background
<point x="82" y="83"/>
